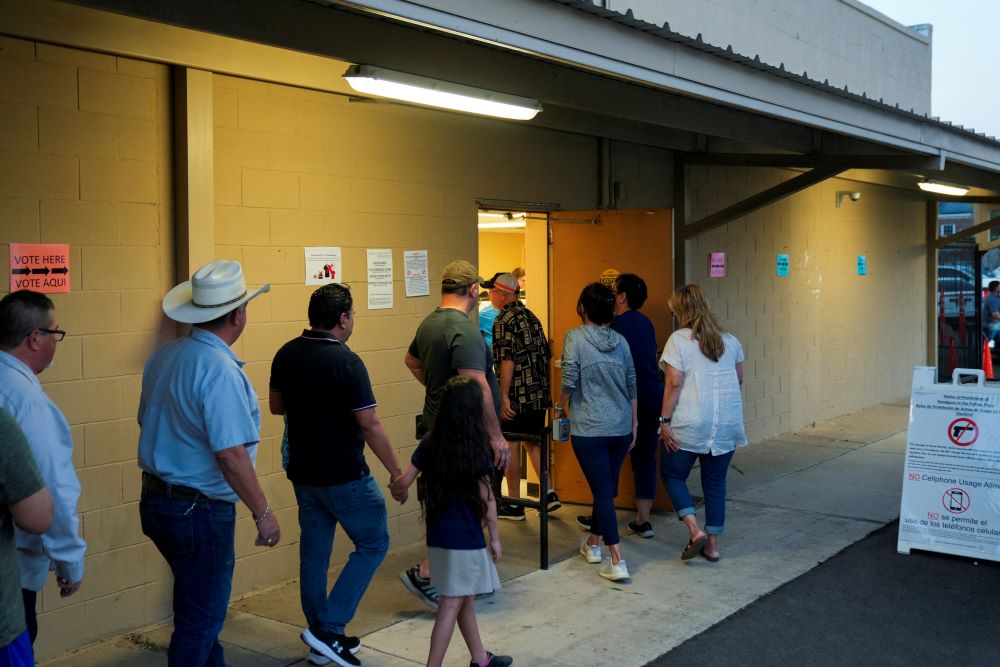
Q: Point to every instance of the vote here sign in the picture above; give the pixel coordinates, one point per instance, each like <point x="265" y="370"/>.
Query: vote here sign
<point x="40" y="267"/>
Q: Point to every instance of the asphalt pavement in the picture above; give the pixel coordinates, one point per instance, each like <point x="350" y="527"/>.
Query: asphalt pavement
<point x="868" y="605"/>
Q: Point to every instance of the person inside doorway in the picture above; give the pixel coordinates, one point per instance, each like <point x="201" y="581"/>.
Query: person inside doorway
<point x="521" y="353"/>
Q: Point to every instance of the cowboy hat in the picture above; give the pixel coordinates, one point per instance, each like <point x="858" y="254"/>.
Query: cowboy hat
<point x="214" y="290"/>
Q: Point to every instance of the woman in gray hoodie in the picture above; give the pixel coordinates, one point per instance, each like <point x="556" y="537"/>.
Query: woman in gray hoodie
<point x="598" y="382"/>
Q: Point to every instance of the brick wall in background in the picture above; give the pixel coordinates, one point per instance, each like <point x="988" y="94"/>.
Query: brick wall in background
<point x="298" y="168"/>
<point x="84" y="150"/>
<point x="823" y="341"/>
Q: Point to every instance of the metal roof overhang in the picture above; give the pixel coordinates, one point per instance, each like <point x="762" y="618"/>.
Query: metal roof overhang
<point x="599" y="77"/>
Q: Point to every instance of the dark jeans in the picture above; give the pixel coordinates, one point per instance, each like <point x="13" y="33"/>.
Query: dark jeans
<point x="676" y="466"/>
<point x="643" y="455"/>
<point x="601" y="460"/>
<point x="30" y="615"/>
<point x="359" y="508"/>
<point x="196" y="539"/>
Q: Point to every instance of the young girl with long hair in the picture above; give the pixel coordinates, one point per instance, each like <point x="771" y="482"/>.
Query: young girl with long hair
<point x="456" y="465"/>
<point x="702" y="415"/>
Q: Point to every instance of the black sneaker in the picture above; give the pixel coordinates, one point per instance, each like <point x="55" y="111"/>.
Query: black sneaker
<point x="584" y="521"/>
<point x="330" y="645"/>
<point x="553" y="500"/>
<point x="510" y="512"/>
<point x="495" y="661"/>
<point x="353" y="644"/>
<point x="644" y="529"/>
<point x="420" y="587"/>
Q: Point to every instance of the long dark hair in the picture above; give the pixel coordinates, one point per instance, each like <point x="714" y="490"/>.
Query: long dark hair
<point x="458" y="453"/>
<point x="597" y="302"/>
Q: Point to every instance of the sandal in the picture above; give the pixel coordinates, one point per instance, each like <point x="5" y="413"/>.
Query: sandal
<point x="693" y="547"/>
<point x="710" y="559"/>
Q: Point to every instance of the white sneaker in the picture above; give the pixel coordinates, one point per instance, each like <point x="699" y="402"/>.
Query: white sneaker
<point x="591" y="553"/>
<point x="613" y="572"/>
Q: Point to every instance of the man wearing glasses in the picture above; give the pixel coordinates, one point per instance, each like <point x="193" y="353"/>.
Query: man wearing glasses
<point x="28" y="337"/>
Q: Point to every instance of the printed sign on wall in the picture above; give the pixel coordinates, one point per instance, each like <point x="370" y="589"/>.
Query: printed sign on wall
<point x="862" y="265"/>
<point x="717" y="265"/>
<point x="323" y="265"/>
<point x="40" y="267"/>
<point x="781" y="265"/>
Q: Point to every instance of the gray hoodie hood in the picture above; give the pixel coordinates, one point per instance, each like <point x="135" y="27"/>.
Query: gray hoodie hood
<point x="604" y="339"/>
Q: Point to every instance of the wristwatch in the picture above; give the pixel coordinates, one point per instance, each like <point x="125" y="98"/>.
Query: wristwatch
<point x="665" y="420"/>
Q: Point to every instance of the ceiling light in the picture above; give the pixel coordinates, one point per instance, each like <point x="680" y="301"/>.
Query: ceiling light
<point x="506" y="224"/>
<point x="943" y="188"/>
<point x="442" y="94"/>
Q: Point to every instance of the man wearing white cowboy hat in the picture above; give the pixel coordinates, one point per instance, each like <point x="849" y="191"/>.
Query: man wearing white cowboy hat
<point x="199" y="427"/>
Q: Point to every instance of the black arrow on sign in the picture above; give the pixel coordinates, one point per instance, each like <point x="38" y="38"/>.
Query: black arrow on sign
<point x="61" y="269"/>
<point x="20" y="272"/>
<point x="44" y="271"/>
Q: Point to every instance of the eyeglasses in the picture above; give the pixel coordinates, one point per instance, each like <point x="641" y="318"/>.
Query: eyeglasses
<point x="58" y="333"/>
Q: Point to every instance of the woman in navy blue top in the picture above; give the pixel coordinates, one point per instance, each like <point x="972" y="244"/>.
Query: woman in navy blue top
<point x="456" y="467"/>
<point x="630" y="295"/>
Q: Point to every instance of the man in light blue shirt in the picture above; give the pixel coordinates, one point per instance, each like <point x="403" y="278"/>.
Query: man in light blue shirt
<point x="199" y="427"/>
<point x="28" y="337"/>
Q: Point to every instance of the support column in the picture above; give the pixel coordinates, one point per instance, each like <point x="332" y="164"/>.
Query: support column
<point x="195" y="169"/>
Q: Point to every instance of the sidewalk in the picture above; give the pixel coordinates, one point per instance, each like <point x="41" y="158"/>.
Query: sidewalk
<point x="794" y="501"/>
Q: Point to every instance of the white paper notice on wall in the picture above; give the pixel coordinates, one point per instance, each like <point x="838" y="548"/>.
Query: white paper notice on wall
<point x="415" y="273"/>
<point x="323" y="265"/>
<point x="951" y="476"/>
<point x="379" y="278"/>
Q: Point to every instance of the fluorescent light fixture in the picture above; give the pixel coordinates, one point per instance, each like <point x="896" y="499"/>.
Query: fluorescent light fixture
<point x="506" y="224"/>
<point x="442" y="94"/>
<point x="943" y="188"/>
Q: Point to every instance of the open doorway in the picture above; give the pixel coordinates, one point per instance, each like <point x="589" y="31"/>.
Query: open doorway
<point x="516" y="241"/>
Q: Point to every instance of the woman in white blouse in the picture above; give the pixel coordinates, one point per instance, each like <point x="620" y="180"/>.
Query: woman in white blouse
<point x="702" y="416"/>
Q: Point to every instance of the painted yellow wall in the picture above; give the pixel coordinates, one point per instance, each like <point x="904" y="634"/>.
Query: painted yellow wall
<point x="500" y="252"/>
<point x="84" y="160"/>
<point x="824" y="341"/>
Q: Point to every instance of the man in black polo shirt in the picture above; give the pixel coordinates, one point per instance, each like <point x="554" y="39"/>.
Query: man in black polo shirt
<point x="323" y="389"/>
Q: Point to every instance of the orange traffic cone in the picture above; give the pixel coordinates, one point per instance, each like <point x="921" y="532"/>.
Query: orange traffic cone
<point x="987" y="360"/>
<point x="952" y="356"/>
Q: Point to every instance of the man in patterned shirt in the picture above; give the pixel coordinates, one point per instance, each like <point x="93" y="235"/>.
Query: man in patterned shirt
<point x="522" y="356"/>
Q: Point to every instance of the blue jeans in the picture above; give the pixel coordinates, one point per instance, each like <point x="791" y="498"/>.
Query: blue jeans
<point x="196" y="539"/>
<point x="601" y="460"/>
<point x="18" y="653"/>
<point x="675" y="468"/>
<point x="359" y="507"/>
<point x="643" y="455"/>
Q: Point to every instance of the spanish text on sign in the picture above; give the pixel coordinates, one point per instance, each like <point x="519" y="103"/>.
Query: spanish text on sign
<point x="41" y="267"/>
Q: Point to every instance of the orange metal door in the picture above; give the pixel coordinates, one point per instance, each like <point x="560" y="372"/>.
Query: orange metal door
<point x="585" y="245"/>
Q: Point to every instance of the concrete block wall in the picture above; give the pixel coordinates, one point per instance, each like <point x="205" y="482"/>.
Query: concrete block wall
<point x="823" y="341"/>
<point x="844" y="41"/>
<point x="298" y="168"/>
<point x="84" y="160"/>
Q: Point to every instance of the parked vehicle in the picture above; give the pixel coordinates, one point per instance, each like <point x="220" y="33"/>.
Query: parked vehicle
<point x="957" y="286"/>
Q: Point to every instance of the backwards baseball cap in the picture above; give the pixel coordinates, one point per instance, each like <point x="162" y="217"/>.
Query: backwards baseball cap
<point x="459" y="274"/>
<point x="503" y="281"/>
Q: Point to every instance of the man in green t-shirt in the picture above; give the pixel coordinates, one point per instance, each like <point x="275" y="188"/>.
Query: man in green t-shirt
<point x="24" y="500"/>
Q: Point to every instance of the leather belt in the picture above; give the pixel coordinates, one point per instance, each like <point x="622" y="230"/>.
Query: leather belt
<point x="156" y="485"/>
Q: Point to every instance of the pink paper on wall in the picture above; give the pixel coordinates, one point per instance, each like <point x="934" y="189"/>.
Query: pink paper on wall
<point x="717" y="265"/>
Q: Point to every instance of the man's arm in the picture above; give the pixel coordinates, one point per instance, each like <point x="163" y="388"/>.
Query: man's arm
<point x="378" y="440"/>
<point x="275" y="403"/>
<point x="501" y="450"/>
<point x="506" y="378"/>
<point x="413" y="363"/>
<point x="237" y="468"/>
<point x="33" y="514"/>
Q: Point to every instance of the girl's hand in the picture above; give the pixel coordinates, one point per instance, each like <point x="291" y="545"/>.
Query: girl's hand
<point x="667" y="436"/>
<point x="495" y="548"/>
